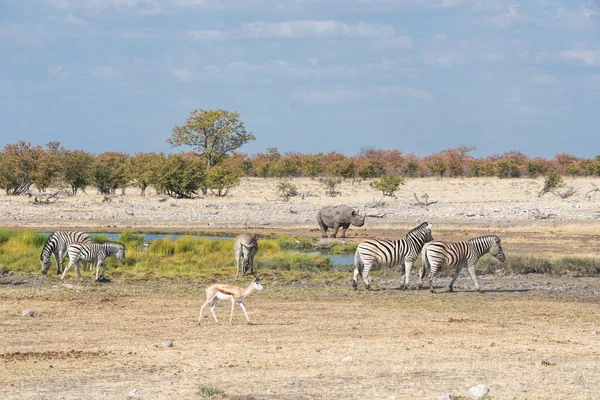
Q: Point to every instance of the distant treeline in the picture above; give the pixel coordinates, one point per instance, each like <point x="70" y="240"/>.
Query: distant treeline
<point x="25" y="167"/>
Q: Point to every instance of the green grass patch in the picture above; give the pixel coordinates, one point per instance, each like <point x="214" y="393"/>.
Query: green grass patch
<point x="210" y="391"/>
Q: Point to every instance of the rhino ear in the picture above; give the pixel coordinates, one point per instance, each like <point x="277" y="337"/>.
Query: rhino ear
<point x="354" y="212"/>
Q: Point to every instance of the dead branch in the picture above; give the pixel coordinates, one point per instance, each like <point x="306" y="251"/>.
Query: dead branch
<point x="424" y="202"/>
<point x="588" y="194"/>
<point x="108" y="199"/>
<point x="474" y="214"/>
<point x="568" y="193"/>
<point x="375" y="204"/>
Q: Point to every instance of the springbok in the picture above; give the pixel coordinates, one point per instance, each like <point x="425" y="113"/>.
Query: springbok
<point x="221" y="291"/>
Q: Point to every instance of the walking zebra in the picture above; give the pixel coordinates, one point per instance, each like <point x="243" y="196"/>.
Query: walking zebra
<point x="458" y="255"/>
<point x="245" y="248"/>
<point x="390" y="253"/>
<point x="94" y="252"/>
<point x="57" y="245"/>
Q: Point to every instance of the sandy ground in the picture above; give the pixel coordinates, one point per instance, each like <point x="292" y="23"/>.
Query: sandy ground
<point x="528" y="337"/>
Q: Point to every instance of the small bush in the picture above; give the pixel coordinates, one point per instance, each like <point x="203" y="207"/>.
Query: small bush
<point x="209" y="391"/>
<point x="287" y="189"/>
<point x="331" y="185"/>
<point x="388" y="184"/>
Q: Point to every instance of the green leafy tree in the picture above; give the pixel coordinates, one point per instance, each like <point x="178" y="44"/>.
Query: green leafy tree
<point x="287" y="189"/>
<point x="220" y="179"/>
<point x="507" y="168"/>
<point x="371" y="169"/>
<point x="180" y="176"/>
<point x="109" y="172"/>
<point x="388" y="184"/>
<point x="345" y="168"/>
<point x="142" y="169"/>
<point x="212" y="133"/>
<point x="77" y="166"/>
<point x="23" y="166"/>
<point x="312" y="165"/>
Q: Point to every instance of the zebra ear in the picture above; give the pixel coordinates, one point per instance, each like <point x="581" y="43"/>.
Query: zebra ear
<point x="429" y="226"/>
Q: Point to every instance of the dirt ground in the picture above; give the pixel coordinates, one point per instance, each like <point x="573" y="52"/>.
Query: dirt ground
<point x="528" y="337"/>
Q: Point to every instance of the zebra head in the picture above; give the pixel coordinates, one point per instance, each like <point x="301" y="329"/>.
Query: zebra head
<point x="45" y="264"/>
<point x="121" y="253"/>
<point x="421" y="233"/>
<point x="496" y="249"/>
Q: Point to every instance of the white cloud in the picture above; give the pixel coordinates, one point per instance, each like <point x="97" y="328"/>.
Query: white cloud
<point x="183" y="74"/>
<point x="316" y="29"/>
<point x="543" y="79"/>
<point x="313" y="61"/>
<point x="330" y="96"/>
<point x="57" y="71"/>
<point x="105" y="72"/>
<point x="74" y="20"/>
<point x="207" y="35"/>
<point x="419" y="94"/>
<point x="588" y="57"/>
<point x="286" y="68"/>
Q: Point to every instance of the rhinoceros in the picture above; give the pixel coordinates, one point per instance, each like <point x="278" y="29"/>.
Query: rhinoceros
<point x="338" y="216"/>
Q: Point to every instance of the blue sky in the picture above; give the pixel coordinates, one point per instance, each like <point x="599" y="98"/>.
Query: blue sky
<point x="305" y="75"/>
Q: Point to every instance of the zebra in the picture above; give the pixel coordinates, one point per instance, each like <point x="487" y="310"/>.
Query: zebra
<point x="457" y="255"/>
<point x="57" y="245"/>
<point x="245" y="248"/>
<point x="94" y="252"/>
<point x="390" y="253"/>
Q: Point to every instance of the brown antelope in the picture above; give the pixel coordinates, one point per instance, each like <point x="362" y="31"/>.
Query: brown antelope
<point x="221" y="291"/>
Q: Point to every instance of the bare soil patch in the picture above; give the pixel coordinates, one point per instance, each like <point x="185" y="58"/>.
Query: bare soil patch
<point x="527" y="337"/>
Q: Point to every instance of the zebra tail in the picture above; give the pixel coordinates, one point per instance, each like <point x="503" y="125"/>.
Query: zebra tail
<point x="424" y="261"/>
<point x="358" y="262"/>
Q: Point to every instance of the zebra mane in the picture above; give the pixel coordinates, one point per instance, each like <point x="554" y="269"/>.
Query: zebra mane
<point x="485" y="238"/>
<point x="418" y="228"/>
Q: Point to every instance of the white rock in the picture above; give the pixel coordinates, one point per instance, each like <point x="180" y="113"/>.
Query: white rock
<point x="167" y="343"/>
<point x="447" y="396"/>
<point x="479" y="391"/>
<point x="347" y="359"/>
<point x="134" y="394"/>
<point x="27" y="313"/>
<point x="594" y="332"/>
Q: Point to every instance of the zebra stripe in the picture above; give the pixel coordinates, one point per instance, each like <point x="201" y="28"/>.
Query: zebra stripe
<point x="390" y="253"/>
<point x="458" y="255"/>
<point x="245" y="248"/>
<point x="94" y="252"/>
<point x="57" y="245"/>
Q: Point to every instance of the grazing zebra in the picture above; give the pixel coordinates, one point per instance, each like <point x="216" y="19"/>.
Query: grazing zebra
<point x="94" y="252"/>
<point x="57" y="244"/>
<point x="245" y="248"/>
<point x="458" y="255"/>
<point x="390" y="253"/>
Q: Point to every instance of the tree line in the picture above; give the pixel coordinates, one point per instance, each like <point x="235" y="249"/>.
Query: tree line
<point x="215" y="165"/>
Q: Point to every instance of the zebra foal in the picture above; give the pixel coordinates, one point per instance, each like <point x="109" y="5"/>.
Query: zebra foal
<point x="245" y="248"/>
<point x="94" y="252"/>
<point x="390" y="253"/>
<point x="57" y="245"/>
<point x="457" y="255"/>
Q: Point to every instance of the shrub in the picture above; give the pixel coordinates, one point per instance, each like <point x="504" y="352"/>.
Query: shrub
<point x="553" y="181"/>
<point x="287" y="189"/>
<point x="388" y="184"/>
<point x="331" y="185"/>
<point x="220" y="179"/>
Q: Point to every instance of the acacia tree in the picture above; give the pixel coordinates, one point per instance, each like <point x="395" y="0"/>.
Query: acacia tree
<point x="212" y="133"/>
<point x="109" y="172"/>
<point x="142" y="169"/>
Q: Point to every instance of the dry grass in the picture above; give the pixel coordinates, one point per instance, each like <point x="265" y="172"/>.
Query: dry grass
<point x="102" y="341"/>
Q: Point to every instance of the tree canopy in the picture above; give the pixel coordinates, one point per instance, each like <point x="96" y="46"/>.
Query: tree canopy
<point x="213" y="133"/>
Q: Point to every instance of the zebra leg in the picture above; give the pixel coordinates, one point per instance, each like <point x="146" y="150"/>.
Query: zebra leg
<point x="237" y="265"/>
<point x="471" y="270"/>
<point x="365" y="274"/>
<point x="409" y="265"/>
<point x="355" y="278"/>
<point x="59" y="258"/>
<point x="431" y="274"/>
<point x="77" y="268"/>
<point x="454" y="276"/>
<point x="66" y="269"/>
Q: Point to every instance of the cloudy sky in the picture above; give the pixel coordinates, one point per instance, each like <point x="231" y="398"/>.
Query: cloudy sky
<point x="305" y="75"/>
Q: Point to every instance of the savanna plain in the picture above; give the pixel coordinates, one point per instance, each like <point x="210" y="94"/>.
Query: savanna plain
<point x="530" y="336"/>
